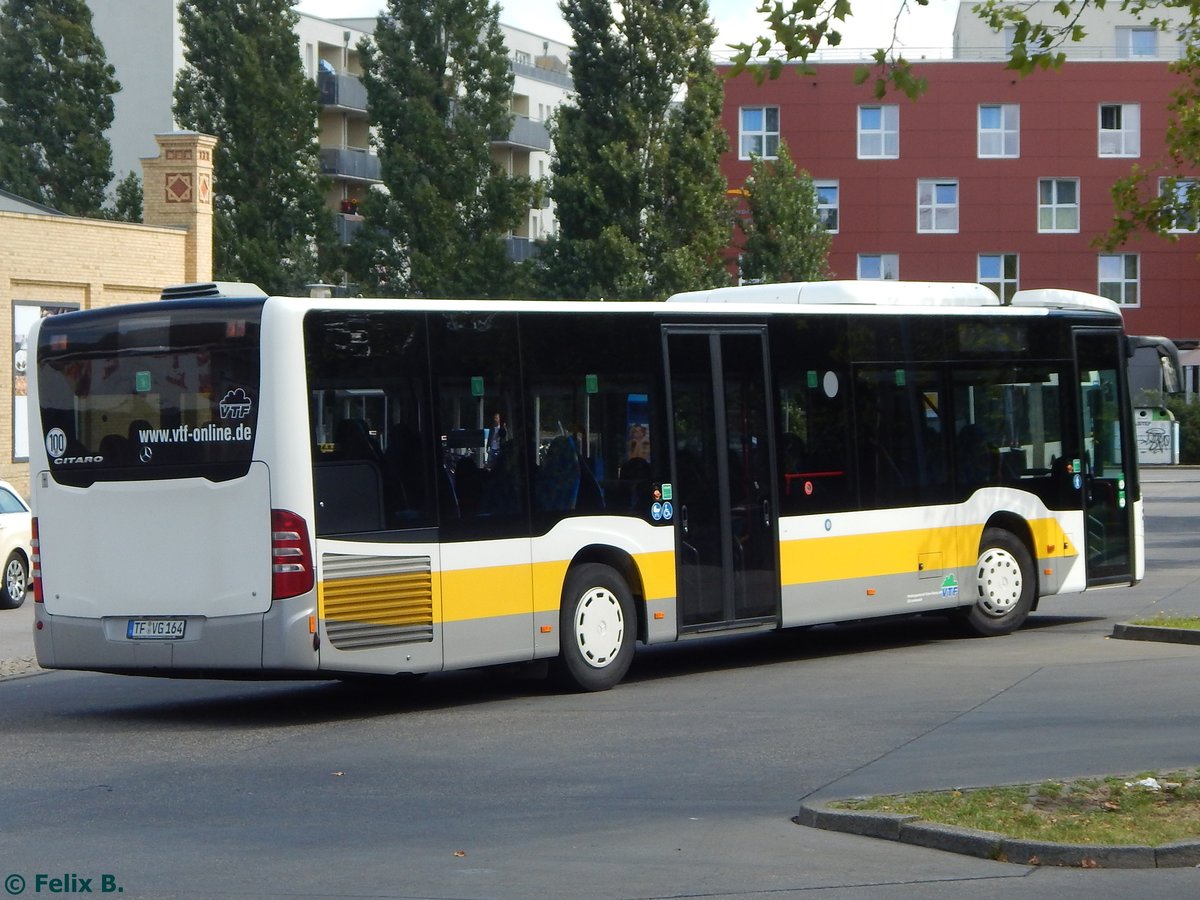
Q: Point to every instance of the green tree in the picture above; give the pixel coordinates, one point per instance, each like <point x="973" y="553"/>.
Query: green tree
<point x="56" y="90"/>
<point x="127" y="200"/>
<point x="636" y="180"/>
<point x="785" y="235"/>
<point x="440" y="90"/>
<point x="243" y="83"/>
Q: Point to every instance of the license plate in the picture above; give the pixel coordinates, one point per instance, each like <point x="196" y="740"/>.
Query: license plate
<point x="155" y="629"/>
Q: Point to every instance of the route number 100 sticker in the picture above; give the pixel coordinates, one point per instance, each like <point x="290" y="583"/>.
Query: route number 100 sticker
<point x="56" y="442"/>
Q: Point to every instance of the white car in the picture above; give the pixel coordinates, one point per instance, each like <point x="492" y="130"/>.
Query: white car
<point x="15" y="550"/>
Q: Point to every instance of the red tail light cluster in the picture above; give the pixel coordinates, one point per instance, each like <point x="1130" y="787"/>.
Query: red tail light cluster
<point x="291" y="556"/>
<point x="35" y="562"/>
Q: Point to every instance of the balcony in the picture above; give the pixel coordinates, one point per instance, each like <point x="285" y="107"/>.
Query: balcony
<point x="542" y="73"/>
<point x="346" y="224"/>
<point x="341" y="91"/>
<point x="350" y="163"/>
<point x="526" y="134"/>
<point x="521" y="249"/>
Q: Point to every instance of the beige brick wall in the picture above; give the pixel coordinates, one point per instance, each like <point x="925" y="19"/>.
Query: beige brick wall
<point x="89" y="263"/>
<point x="81" y="262"/>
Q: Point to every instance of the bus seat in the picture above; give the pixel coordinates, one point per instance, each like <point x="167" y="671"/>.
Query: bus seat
<point x="353" y="440"/>
<point x="504" y="490"/>
<point x="115" y="448"/>
<point x="556" y="486"/>
<point x="468" y="485"/>
<point x="349" y="495"/>
<point x="591" y="493"/>
<point x="136" y="428"/>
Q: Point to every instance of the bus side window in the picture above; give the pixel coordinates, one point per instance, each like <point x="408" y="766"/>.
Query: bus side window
<point x="368" y="407"/>
<point x="483" y="483"/>
<point x="1008" y="423"/>
<point x="901" y="436"/>
<point x="590" y="410"/>
<point x="812" y="453"/>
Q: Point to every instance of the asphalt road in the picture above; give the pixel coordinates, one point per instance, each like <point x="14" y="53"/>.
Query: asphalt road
<point x="680" y="783"/>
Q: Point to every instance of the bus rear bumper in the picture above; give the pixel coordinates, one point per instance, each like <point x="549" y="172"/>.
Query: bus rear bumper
<point x="226" y="644"/>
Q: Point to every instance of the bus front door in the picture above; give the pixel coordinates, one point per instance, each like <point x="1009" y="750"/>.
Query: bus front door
<point x="722" y="493"/>
<point x="1107" y="479"/>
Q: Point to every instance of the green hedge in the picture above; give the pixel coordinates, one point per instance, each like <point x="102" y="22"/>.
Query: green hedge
<point x="1188" y="416"/>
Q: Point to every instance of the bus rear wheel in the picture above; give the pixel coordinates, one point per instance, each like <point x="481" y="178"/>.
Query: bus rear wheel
<point x="597" y="629"/>
<point x="1005" y="584"/>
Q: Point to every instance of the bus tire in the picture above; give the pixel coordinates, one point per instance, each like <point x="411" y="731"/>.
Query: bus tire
<point x="1005" y="584"/>
<point x="16" y="581"/>
<point x="597" y="629"/>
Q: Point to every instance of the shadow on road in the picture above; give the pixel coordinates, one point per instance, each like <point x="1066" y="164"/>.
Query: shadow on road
<point x="169" y="703"/>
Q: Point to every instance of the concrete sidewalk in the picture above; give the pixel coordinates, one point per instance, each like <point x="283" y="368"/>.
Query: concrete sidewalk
<point x="16" y="641"/>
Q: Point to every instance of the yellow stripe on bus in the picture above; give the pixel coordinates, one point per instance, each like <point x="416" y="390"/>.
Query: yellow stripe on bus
<point x="463" y="594"/>
<point x="811" y="560"/>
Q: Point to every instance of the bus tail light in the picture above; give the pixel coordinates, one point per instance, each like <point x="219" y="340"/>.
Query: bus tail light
<point x="291" y="556"/>
<point x="35" y="560"/>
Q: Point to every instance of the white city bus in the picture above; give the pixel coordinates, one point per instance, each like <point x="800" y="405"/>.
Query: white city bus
<point x="231" y="485"/>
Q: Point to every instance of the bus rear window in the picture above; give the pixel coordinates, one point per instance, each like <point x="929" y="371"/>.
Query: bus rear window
<point x="157" y="391"/>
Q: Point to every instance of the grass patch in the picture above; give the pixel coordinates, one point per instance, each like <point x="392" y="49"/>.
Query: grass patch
<point x="1170" y="620"/>
<point x="1147" y="809"/>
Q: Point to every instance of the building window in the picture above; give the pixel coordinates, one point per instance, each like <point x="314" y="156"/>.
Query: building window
<point x="1058" y="204"/>
<point x="1000" y="273"/>
<point x="878" y="132"/>
<point x="879" y="266"/>
<point x="1181" y="212"/>
<point x="1133" y="43"/>
<point x="523" y="58"/>
<point x="999" y="130"/>
<point x="759" y="132"/>
<point x="24" y="314"/>
<point x="828" y="204"/>
<point x="1118" y="278"/>
<point x="1120" y="129"/>
<point x="937" y="206"/>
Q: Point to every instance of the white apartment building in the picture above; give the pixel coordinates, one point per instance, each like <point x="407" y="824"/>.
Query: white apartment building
<point x="1110" y="33"/>
<point x="143" y="42"/>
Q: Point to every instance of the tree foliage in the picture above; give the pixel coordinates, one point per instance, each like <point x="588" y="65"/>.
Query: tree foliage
<point x="1163" y="197"/>
<point x="785" y="236"/>
<point x="127" y="200"/>
<point x="56" y="90"/>
<point x="637" y="185"/>
<point x="797" y="29"/>
<point x="439" y="89"/>
<point x="244" y="84"/>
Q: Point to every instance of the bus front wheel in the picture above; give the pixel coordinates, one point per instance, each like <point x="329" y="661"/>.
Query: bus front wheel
<point x="597" y="629"/>
<point x="1005" y="584"/>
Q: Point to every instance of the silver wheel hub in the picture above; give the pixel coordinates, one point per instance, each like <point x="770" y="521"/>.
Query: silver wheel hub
<point x="998" y="582"/>
<point x="14" y="580"/>
<point x="599" y="627"/>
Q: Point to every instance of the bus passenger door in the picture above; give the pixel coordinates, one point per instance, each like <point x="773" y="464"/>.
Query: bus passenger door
<point x="1106" y="473"/>
<point x="722" y="491"/>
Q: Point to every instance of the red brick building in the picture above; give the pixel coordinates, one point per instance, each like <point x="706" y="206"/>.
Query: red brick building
<point x="988" y="177"/>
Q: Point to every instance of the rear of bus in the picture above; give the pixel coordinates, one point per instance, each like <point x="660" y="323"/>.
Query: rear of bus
<point x="158" y="546"/>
